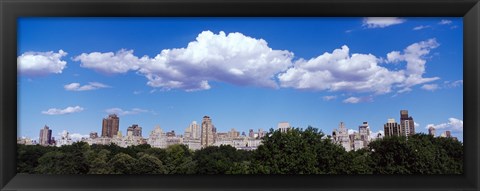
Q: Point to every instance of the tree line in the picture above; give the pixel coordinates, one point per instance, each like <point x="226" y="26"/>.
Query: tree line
<point x="298" y="151"/>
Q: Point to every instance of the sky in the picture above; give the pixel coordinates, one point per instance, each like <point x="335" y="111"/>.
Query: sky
<point x="245" y="73"/>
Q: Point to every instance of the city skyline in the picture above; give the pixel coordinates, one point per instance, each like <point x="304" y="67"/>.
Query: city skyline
<point x="102" y="66"/>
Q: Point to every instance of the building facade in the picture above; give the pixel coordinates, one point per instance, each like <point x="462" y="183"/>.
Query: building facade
<point x="134" y="130"/>
<point x="207" y="132"/>
<point x="406" y="123"/>
<point x="283" y="126"/>
<point x="392" y="128"/>
<point x="431" y="131"/>
<point x="45" y="138"/>
<point x="110" y="126"/>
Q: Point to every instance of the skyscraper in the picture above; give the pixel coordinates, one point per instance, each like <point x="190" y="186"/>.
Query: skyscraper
<point x="110" y="126"/>
<point x="134" y="130"/>
<point x="392" y="128"/>
<point x="342" y="137"/>
<point x="45" y="138"/>
<point x="406" y="123"/>
<point x="193" y="131"/>
<point x="207" y="132"/>
<point x="431" y="131"/>
<point x="364" y="132"/>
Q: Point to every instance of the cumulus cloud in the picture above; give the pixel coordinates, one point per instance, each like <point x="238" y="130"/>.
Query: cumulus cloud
<point x="414" y="56"/>
<point x="340" y="71"/>
<point x="374" y="135"/>
<point x="453" y="124"/>
<point x="445" y="22"/>
<point x="233" y="58"/>
<point x="89" y="86"/>
<point x="430" y="87"/>
<point x="41" y="63"/>
<point x="416" y="124"/>
<point x="381" y="22"/>
<point x="109" y="63"/>
<point x="120" y="111"/>
<point x="421" y="27"/>
<point x="68" y="110"/>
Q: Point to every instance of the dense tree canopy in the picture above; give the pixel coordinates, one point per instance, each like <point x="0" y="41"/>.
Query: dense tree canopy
<point x="297" y="151"/>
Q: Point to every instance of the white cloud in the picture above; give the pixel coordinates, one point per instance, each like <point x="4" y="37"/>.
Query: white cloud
<point x="137" y="92"/>
<point x="416" y="124"/>
<point x="340" y="71"/>
<point x="41" y="63"/>
<point x="328" y="98"/>
<point x="453" y="84"/>
<point x="421" y="27"/>
<point x="352" y="100"/>
<point x="373" y="135"/>
<point x="413" y="55"/>
<point x="430" y="87"/>
<point x="78" y="136"/>
<point x="120" y="111"/>
<point x="68" y="110"/>
<point x="109" y="63"/>
<point x="453" y="124"/>
<point x="445" y="22"/>
<point x="358" y="99"/>
<point x="233" y="58"/>
<point x="381" y="22"/>
<point x="89" y="86"/>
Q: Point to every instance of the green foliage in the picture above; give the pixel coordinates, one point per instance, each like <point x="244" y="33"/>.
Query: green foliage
<point x="296" y="151"/>
<point x="122" y="163"/>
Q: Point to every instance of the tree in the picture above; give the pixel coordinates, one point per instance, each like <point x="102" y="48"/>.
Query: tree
<point x="122" y="163"/>
<point x="56" y="162"/>
<point x="148" y="164"/>
<point x="179" y="160"/>
<point x="219" y="160"/>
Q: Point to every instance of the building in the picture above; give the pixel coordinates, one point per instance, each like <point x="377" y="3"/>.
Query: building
<point x="251" y="133"/>
<point x="65" y="139"/>
<point x="93" y="135"/>
<point x="45" y="138"/>
<point x="406" y="123"/>
<point x="431" y="131"/>
<point x="207" y="132"/>
<point x="233" y="133"/>
<point x="283" y="126"/>
<point x="134" y="130"/>
<point x="193" y="131"/>
<point x="157" y="138"/>
<point x="392" y="128"/>
<point x="110" y="126"/>
<point x="341" y="137"/>
<point x="364" y="135"/>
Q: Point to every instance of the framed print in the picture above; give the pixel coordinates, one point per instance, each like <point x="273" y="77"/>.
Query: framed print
<point x="230" y="95"/>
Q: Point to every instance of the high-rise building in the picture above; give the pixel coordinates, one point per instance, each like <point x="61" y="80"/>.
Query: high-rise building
<point x="193" y="131"/>
<point x="45" y="138"/>
<point x="110" y="126"/>
<point x="392" y="128"/>
<point x="283" y="126"/>
<point x="134" y="130"/>
<point x="364" y="132"/>
<point x="431" y="131"/>
<point x="207" y="132"/>
<point x="406" y="123"/>
<point x="233" y="133"/>
<point x="341" y="137"/>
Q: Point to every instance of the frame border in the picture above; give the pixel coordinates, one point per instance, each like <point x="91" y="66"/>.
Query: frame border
<point x="10" y="10"/>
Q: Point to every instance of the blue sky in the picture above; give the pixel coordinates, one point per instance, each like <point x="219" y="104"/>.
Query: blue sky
<point x="245" y="73"/>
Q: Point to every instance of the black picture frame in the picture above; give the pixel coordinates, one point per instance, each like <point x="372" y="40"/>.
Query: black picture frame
<point x="10" y="10"/>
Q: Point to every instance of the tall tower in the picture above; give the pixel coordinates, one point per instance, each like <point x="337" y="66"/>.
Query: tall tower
<point x="406" y="123"/>
<point x="207" y="132"/>
<point x="45" y="138"/>
<point x="392" y="128"/>
<point x="134" y="130"/>
<point x="110" y="126"/>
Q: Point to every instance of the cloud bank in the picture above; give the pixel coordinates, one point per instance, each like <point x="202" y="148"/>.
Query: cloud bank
<point x="381" y="22"/>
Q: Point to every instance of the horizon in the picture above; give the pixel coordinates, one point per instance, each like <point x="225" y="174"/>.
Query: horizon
<point x="245" y="73"/>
